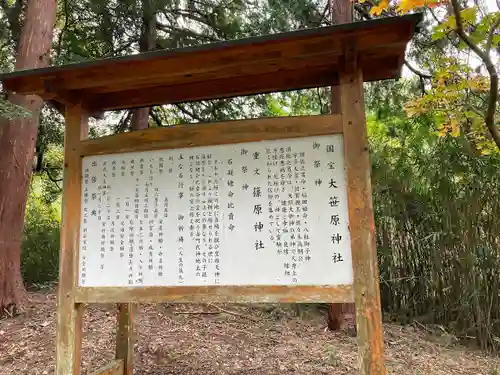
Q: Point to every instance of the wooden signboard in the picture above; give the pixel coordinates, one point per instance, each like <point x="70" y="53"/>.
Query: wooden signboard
<point x="265" y="210"/>
<point x="261" y="217"/>
<point x="255" y="213"/>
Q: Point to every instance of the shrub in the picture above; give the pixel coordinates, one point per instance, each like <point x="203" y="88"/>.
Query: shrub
<point x="40" y="246"/>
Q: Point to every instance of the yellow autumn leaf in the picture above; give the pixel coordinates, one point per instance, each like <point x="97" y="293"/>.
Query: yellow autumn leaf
<point x="407" y="5"/>
<point x="443" y="130"/>
<point x="412" y="111"/>
<point x="485" y="151"/>
<point x="377" y="9"/>
<point x="484" y="148"/>
<point x="455" y="128"/>
<point x="479" y="84"/>
<point x="434" y="3"/>
<point x="419" y="3"/>
<point x="415" y="107"/>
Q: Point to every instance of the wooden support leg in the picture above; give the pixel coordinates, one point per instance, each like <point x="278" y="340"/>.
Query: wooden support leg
<point x="125" y="336"/>
<point x="361" y="222"/>
<point x="69" y="313"/>
<point x="340" y="316"/>
<point x="69" y="337"/>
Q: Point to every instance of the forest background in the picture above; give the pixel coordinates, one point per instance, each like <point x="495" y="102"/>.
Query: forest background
<point x="434" y="138"/>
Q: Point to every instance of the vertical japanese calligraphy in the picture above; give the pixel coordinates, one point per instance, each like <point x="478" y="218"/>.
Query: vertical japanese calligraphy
<point x="258" y="213"/>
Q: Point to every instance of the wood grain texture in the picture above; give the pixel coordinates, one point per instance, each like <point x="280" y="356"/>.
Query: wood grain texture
<point x="227" y="132"/>
<point x="69" y="312"/>
<point x="341" y="12"/>
<point x="362" y="225"/>
<point x="206" y="88"/>
<point x="125" y="336"/>
<point x="212" y="89"/>
<point x="284" y="61"/>
<point x="198" y="294"/>
<point x="115" y="367"/>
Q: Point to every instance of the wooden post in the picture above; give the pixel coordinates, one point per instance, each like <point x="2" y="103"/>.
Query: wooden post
<point x="340" y="315"/>
<point x="361" y="221"/>
<point x="341" y="13"/>
<point x="125" y="336"/>
<point x="69" y="313"/>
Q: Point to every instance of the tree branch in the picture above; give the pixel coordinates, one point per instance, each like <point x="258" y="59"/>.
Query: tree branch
<point x="54" y="180"/>
<point x="460" y="31"/>
<point x="485" y="57"/>
<point x="422" y="86"/>
<point x="64" y="28"/>
<point x="123" y="123"/>
<point x="4" y="5"/>
<point x="416" y="71"/>
<point x="320" y="99"/>
<point x="185" y="32"/>
<point x="189" y="113"/>
<point x="13" y="14"/>
<point x="4" y="44"/>
<point x="490" y="36"/>
<point x="124" y="47"/>
<point x="155" y="117"/>
<point x="361" y="10"/>
<point x="324" y="14"/>
<point x="453" y="42"/>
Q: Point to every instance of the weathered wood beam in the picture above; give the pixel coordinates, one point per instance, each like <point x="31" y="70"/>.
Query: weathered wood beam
<point x="217" y="133"/>
<point x="125" y="336"/>
<point x="361" y="220"/>
<point x="198" y="294"/>
<point x="212" y="89"/>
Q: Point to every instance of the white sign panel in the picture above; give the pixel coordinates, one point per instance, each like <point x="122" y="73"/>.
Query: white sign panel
<point x="258" y="213"/>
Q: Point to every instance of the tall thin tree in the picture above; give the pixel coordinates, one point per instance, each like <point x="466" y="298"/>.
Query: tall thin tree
<point x="140" y="118"/>
<point x="139" y="121"/>
<point x="17" y="147"/>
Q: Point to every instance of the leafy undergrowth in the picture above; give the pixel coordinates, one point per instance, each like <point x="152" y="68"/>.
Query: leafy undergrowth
<point x="229" y="339"/>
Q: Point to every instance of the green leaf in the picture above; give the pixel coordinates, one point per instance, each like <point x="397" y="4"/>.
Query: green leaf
<point x="438" y="33"/>
<point x="495" y="40"/>
<point x="469" y="15"/>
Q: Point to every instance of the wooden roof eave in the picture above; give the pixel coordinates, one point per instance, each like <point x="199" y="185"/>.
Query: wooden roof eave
<point x="279" y="62"/>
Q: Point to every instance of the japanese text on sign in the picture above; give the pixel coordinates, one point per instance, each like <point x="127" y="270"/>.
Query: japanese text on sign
<point x="259" y="213"/>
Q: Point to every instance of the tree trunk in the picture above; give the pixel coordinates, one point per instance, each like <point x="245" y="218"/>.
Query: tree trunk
<point x="17" y="145"/>
<point x="341" y="316"/>
<point x="140" y="119"/>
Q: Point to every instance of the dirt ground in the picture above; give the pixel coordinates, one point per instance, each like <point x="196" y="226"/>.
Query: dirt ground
<point x="203" y="339"/>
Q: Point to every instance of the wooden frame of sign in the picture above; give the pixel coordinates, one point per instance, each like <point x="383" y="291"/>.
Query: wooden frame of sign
<point x="345" y="55"/>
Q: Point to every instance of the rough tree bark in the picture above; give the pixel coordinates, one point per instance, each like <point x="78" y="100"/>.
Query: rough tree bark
<point x="140" y="118"/>
<point x="341" y="316"/>
<point x="17" y="147"/>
